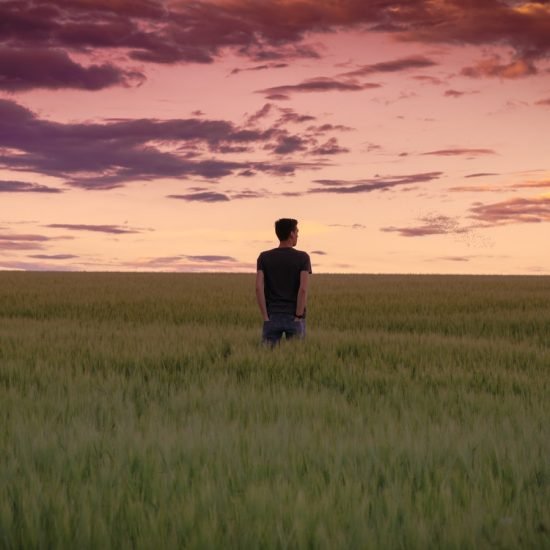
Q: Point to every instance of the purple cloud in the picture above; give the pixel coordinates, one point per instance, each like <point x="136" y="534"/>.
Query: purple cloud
<point x="122" y="151"/>
<point x="320" y="84"/>
<point x="190" y="263"/>
<point x="261" y="113"/>
<point x="10" y="241"/>
<point x="429" y="79"/>
<point x="53" y="256"/>
<point x="211" y="258"/>
<point x="520" y="210"/>
<point x="452" y="259"/>
<point x="33" y="266"/>
<point x="431" y="225"/>
<point x="460" y="151"/>
<point x="155" y="31"/>
<point x="352" y="226"/>
<point x="248" y="194"/>
<point x="321" y="129"/>
<point x="11" y="186"/>
<point x="25" y="69"/>
<point x="264" y="67"/>
<point x="29" y="237"/>
<point x="113" y="229"/>
<point x="215" y="196"/>
<point x="18" y="245"/>
<point x="481" y="174"/>
<point x="290" y="116"/>
<point x="290" y="144"/>
<point x="375" y="184"/>
<point x="278" y="97"/>
<point x="454" y="93"/>
<point x="396" y="65"/>
<point x="207" y="196"/>
<point x="492" y="67"/>
<point x="330" y="147"/>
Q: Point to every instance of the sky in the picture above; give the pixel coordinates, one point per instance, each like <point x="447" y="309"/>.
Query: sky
<point x="406" y="136"/>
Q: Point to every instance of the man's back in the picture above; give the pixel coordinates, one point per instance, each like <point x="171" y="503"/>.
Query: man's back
<point x="281" y="285"/>
<point x="282" y="267"/>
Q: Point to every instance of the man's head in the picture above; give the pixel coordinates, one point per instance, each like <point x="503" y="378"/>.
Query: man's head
<point x="287" y="230"/>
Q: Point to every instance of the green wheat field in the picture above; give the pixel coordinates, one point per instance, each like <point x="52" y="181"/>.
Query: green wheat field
<point x="141" y="411"/>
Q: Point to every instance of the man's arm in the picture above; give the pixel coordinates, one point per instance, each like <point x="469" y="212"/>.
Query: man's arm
<point x="260" y="294"/>
<point x="302" y="294"/>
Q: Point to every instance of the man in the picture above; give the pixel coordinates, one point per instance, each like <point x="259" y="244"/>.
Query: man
<point x="281" y="285"/>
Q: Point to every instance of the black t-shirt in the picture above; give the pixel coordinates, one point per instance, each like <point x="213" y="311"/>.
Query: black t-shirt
<point x="282" y="268"/>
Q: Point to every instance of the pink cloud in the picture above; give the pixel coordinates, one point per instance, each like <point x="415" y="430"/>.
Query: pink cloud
<point x="429" y="79"/>
<point x="458" y="93"/>
<point x="492" y="67"/>
<point x="543" y="184"/>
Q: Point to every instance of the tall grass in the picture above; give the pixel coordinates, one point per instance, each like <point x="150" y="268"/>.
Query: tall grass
<point x="139" y="410"/>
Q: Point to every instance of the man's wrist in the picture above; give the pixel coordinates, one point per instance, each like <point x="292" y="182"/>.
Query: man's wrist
<point x="296" y="316"/>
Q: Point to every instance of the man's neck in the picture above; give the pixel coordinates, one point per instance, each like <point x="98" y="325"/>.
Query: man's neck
<point x="285" y="244"/>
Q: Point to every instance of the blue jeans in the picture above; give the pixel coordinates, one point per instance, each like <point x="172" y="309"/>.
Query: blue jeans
<point x="282" y="323"/>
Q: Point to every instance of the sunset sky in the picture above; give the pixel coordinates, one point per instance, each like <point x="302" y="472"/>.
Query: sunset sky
<point x="405" y="136"/>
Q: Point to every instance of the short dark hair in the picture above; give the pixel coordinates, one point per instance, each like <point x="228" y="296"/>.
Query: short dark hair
<point x="284" y="227"/>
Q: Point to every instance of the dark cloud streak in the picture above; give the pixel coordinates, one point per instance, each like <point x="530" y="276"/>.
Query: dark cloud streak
<point x="481" y="174"/>
<point x="460" y="151"/>
<point x="53" y="256"/>
<point x="320" y="84"/>
<point x="397" y="65"/>
<point x="112" y="229"/>
<point x="264" y="67"/>
<point x="10" y="186"/>
<point x="375" y="184"/>
<point x="207" y="196"/>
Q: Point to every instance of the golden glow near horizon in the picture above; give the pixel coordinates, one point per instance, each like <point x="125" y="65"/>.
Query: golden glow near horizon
<point x="416" y="150"/>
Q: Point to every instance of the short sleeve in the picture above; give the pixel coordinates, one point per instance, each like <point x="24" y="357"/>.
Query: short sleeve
<point x="260" y="263"/>
<point x="306" y="263"/>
